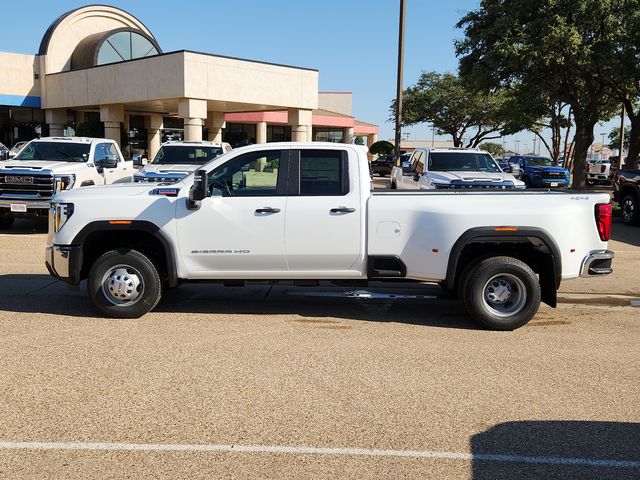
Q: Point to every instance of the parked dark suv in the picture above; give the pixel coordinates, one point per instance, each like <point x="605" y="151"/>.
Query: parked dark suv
<point x="382" y="165"/>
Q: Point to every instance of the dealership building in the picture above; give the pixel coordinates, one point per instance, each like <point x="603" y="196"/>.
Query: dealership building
<point x="100" y="68"/>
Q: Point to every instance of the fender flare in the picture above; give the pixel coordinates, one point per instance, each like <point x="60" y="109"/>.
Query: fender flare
<point x="489" y="234"/>
<point x="143" y="225"/>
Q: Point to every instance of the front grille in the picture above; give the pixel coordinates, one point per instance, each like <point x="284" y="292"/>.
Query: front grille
<point x="42" y="184"/>
<point x="553" y="176"/>
<point x="476" y="186"/>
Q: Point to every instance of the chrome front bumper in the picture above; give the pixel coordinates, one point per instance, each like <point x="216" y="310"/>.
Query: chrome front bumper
<point x="32" y="204"/>
<point x="62" y="261"/>
<point x="597" y="262"/>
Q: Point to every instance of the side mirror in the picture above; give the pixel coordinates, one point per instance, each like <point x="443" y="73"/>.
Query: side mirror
<point x="110" y="161"/>
<point x="199" y="190"/>
<point x="514" y="168"/>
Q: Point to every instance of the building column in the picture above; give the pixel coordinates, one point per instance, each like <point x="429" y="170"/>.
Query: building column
<point x="300" y="121"/>
<point x="112" y="116"/>
<point x="261" y="132"/>
<point x="347" y="135"/>
<point x="56" y="118"/>
<point x="153" y="124"/>
<point x="215" y="124"/>
<point x="371" y="139"/>
<point x="194" y="112"/>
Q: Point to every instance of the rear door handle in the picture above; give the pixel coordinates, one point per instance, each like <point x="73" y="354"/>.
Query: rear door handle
<point x="342" y="210"/>
<point x="268" y="210"/>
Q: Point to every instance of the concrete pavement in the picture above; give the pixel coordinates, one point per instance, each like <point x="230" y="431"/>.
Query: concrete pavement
<point x="315" y="386"/>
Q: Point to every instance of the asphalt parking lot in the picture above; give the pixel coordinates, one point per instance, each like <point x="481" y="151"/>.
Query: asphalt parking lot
<point x="276" y="381"/>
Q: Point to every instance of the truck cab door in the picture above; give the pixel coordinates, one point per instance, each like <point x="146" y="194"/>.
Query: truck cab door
<point x="238" y="232"/>
<point x="108" y="159"/>
<point x="324" y="226"/>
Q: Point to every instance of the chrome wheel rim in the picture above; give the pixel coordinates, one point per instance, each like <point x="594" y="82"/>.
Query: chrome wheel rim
<point x="504" y="295"/>
<point x="627" y="209"/>
<point x="122" y="285"/>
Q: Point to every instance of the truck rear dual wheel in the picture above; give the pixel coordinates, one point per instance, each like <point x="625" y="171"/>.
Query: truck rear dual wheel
<point x="124" y="283"/>
<point x="502" y="293"/>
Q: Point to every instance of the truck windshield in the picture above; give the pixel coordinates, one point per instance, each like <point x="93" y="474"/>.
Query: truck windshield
<point x="66" y="152"/>
<point x="539" y="162"/>
<point x="186" y="155"/>
<point x="461" y="161"/>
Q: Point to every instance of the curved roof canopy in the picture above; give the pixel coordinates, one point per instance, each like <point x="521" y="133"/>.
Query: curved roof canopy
<point x="83" y="31"/>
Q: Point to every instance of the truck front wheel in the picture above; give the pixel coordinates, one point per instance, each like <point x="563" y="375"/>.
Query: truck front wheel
<point x="124" y="283"/>
<point x="502" y="293"/>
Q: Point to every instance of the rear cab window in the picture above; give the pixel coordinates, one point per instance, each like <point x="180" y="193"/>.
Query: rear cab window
<point x="323" y="172"/>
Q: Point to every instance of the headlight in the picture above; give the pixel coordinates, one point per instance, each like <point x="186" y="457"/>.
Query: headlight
<point x="60" y="213"/>
<point x="64" y="182"/>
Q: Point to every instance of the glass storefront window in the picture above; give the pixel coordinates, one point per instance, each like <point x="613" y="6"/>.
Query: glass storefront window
<point x="325" y="134"/>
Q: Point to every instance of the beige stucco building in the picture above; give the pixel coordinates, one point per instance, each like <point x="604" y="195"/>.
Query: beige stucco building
<point x="100" y="67"/>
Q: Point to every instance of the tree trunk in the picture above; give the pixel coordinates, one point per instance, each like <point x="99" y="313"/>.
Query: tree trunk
<point x="583" y="138"/>
<point x="634" y="143"/>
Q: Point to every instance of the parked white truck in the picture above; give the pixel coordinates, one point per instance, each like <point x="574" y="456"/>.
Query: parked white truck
<point x="306" y="211"/>
<point x="177" y="159"/>
<point x="452" y="169"/>
<point x="47" y="166"/>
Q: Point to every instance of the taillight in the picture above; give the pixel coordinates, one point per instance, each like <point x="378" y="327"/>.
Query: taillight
<point x="603" y="168"/>
<point x="603" y="220"/>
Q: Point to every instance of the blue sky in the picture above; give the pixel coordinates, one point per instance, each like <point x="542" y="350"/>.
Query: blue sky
<point x="353" y="43"/>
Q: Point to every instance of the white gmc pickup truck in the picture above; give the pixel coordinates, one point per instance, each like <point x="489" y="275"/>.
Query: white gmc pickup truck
<point x="305" y="211"/>
<point x="46" y="166"/>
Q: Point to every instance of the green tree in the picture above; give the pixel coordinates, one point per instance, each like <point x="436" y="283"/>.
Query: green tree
<point x="381" y="147"/>
<point x="614" y="138"/>
<point x="444" y="101"/>
<point x="560" y="49"/>
<point x="358" y="141"/>
<point x="493" y="148"/>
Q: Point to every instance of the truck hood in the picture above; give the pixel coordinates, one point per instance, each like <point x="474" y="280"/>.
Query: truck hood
<point x="172" y="169"/>
<point x="105" y="191"/>
<point x="55" y="166"/>
<point x="546" y="169"/>
<point x="447" y="177"/>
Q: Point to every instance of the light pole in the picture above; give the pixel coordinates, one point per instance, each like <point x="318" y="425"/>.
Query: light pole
<point x="399" y="84"/>
<point x="621" y="159"/>
<point x="433" y="136"/>
<point x="602" y="146"/>
<point x="517" y="142"/>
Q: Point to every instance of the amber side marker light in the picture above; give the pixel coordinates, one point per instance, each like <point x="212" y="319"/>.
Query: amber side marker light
<point x="506" y="229"/>
<point x="119" y="222"/>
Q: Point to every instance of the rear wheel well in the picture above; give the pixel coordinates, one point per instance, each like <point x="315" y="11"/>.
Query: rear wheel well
<point x="100" y="241"/>
<point x="531" y="251"/>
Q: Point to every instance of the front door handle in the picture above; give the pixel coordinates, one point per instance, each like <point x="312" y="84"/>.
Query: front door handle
<point x="268" y="210"/>
<point x="342" y="210"/>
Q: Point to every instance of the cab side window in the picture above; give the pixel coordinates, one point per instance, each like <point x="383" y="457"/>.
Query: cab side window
<point x="418" y="162"/>
<point x="323" y="172"/>
<point x="249" y="175"/>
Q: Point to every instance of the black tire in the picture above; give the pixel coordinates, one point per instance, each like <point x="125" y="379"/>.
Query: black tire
<point x="630" y="210"/>
<point x="394" y="186"/>
<point x="526" y="181"/>
<point x="130" y="269"/>
<point x="6" y="223"/>
<point x="496" y="277"/>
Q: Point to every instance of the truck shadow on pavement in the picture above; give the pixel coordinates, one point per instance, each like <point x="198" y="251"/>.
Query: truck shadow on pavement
<point x="43" y="294"/>
<point x="625" y="233"/>
<point x="558" y="450"/>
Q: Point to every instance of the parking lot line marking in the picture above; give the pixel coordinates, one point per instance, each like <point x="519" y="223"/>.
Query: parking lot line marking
<point x="368" y="452"/>
<point x="635" y="303"/>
